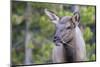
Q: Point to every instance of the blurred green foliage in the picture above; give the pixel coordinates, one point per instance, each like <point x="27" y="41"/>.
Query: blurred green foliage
<point x="43" y="30"/>
<point x="87" y="34"/>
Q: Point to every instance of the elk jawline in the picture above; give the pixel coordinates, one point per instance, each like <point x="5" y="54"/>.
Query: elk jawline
<point x="58" y="43"/>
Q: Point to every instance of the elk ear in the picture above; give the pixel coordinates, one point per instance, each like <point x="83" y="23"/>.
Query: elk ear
<point x="76" y="18"/>
<point x="54" y="18"/>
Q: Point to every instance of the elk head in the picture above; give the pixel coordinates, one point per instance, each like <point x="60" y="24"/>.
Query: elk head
<point x="64" y="26"/>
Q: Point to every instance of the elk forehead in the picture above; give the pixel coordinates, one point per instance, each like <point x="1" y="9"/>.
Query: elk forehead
<point x="65" y="19"/>
<point x="64" y="22"/>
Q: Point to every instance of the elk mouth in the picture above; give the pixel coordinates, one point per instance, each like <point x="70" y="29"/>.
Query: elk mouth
<point x="58" y="41"/>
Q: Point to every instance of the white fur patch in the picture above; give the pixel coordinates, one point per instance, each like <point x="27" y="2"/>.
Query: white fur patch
<point x="80" y="44"/>
<point x="58" y="54"/>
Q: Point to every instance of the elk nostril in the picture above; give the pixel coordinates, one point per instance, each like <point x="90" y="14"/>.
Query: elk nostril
<point x="56" y="38"/>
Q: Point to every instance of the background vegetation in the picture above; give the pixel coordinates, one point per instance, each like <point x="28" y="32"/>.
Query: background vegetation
<point x="31" y="26"/>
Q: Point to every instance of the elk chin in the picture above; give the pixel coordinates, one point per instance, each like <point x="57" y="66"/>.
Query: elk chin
<point x="58" y="43"/>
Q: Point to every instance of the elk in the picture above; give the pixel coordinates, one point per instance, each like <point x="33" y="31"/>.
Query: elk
<point x="68" y="39"/>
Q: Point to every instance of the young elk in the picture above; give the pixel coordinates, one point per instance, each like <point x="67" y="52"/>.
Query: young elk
<point x="68" y="39"/>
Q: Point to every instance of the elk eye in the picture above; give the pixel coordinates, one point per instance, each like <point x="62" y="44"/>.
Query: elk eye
<point x="68" y="27"/>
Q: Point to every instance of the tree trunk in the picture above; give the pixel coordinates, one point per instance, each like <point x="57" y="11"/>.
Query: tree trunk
<point x="28" y="50"/>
